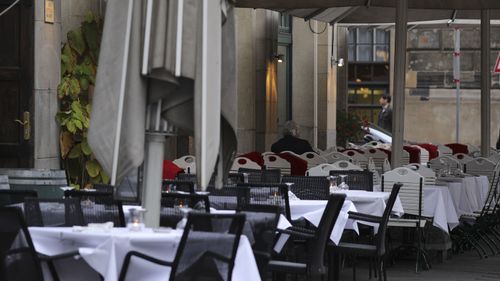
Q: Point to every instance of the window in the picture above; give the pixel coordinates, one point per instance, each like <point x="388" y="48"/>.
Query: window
<point x="430" y="58"/>
<point x="368" y="44"/>
<point x="368" y="71"/>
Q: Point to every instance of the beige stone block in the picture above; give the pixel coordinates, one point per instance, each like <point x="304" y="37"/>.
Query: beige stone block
<point x="40" y="10"/>
<point x="47" y="59"/>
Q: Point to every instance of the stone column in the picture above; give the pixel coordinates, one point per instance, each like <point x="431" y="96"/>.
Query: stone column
<point x="47" y="73"/>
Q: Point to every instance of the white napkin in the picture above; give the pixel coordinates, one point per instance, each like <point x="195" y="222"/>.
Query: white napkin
<point x="95" y="227"/>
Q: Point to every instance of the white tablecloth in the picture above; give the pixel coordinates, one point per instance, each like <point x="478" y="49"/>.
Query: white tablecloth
<point x="105" y="252"/>
<point x="312" y="211"/>
<point x="468" y="194"/>
<point x="373" y="203"/>
<point x="438" y="204"/>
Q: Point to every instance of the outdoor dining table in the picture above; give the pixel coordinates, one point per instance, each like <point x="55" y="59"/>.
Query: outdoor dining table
<point x="104" y="251"/>
<point x="438" y="205"/>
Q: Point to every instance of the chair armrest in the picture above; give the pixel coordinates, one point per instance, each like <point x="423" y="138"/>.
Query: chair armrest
<point x="302" y="230"/>
<point x="126" y="262"/>
<point x="58" y="257"/>
<point x="297" y="234"/>
<point x="364" y="217"/>
<point x="148" y="258"/>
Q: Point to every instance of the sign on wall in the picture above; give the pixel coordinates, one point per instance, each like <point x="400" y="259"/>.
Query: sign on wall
<point x="49" y="11"/>
<point x="497" y="65"/>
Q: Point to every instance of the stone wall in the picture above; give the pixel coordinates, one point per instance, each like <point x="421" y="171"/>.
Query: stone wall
<point x="74" y="11"/>
<point x="433" y="120"/>
<point x="49" y="38"/>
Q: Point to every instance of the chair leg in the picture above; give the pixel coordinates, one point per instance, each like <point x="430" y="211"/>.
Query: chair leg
<point x="53" y="271"/>
<point x="384" y="271"/>
<point x="354" y="268"/>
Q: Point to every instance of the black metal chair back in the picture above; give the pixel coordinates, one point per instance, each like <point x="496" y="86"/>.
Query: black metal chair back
<point x="10" y="197"/>
<point x="173" y="206"/>
<point x="228" y="197"/>
<point x="178" y="185"/>
<point x="53" y="212"/>
<point x="206" y="256"/>
<point x="269" y="194"/>
<point x="357" y="180"/>
<point x="317" y="248"/>
<point x="18" y="258"/>
<point x="263" y="220"/>
<point x="98" y="206"/>
<point x="309" y="188"/>
<point x="259" y="176"/>
<point x="382" y="229"/>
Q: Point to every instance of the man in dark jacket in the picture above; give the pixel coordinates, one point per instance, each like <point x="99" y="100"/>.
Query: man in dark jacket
<point x="385" y="115"/>
<point x="290" y="141"/>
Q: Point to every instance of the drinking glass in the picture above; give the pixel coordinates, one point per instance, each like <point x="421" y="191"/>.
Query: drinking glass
<point x="343" y="185"/>
<point x="333" y="184"/>
<point x="136" y="219"/>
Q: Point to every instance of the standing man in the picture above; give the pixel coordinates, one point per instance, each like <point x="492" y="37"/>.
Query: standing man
<point x="385" y="115"/>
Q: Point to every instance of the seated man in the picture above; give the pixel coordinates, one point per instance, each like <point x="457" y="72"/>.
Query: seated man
<point x="290" y="140"/>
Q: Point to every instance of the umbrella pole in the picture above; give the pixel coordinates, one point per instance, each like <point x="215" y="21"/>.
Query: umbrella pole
<point x="153" y="172"/>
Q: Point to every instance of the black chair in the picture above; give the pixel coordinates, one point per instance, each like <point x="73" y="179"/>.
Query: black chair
<point x="259" y="176"/>
<point x="269" y="194"/>
<point x="357" y="180"/>
<point x="201" y="256"/>
<point x="172" y="203"/>
<point x="228" y="197"/>
<point x="98" y="206"/>
<point x="263" y="220"/>
<point x="314" y="265"/>
<point x="374" y="251"/>
<point x="18" y="258"/>
<point x="53" y="212"/>
<point x="232" y="178"/>
<point x="309" y="188"/>
<point x="178" y="185"/>
<point x="11" y="197"/>
<point x="104" y="187"/>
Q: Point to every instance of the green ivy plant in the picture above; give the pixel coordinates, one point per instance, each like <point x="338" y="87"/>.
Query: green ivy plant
<point x="78" y="69"/>
<point x="348" y="128"/>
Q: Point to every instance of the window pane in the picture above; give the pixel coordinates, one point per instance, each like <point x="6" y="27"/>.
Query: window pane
<point x="352" y="35"/>
<point x="364" y="53"/>
<point x="363" y="73"/>
<point x="365" y="114"/>
<point x="364" y="95"/>
<point x="351" y="56"/>
<point x="381" y="72"/>
<point x="365" y="36"/>
<point x="351" y="97"/>
<point x="350" y="75"/>
<point x="381" y="36"/>
<point x="381" y="53"/>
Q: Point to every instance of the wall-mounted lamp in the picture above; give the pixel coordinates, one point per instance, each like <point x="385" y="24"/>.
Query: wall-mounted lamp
<point x="339" y="62"/>
<point x="279" y="58"/>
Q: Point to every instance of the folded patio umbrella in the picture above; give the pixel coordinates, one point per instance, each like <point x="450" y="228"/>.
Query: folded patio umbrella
<point x="160" y="51"/>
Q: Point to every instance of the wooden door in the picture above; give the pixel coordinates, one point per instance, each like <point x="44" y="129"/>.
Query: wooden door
<point x="16" y="84"/>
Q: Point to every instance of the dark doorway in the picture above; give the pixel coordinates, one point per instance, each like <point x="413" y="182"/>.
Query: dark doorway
<point x="16" y="85"/>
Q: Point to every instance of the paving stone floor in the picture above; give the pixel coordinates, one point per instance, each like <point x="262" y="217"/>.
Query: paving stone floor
<point x="463" y="267"/>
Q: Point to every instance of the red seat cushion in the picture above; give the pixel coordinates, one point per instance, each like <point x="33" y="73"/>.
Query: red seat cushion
<point x="255" y="157"/>
<point x="170" y="170"/>
<point x="458" y="148"/>
<point x="432" y="149"/>
<point x="414" y="153"/>
<point x="298" y="165"/>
